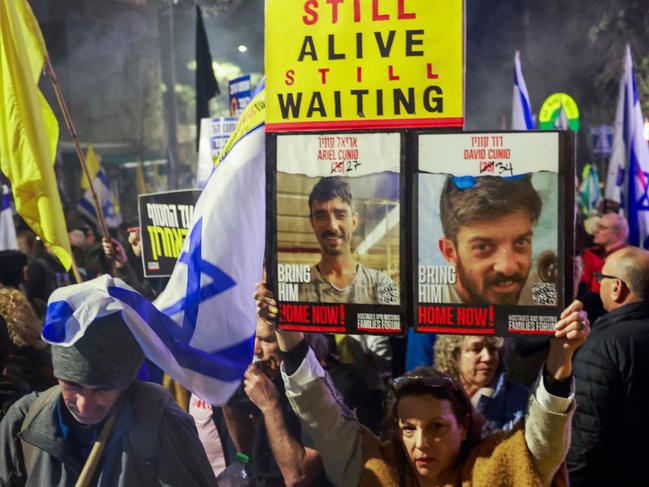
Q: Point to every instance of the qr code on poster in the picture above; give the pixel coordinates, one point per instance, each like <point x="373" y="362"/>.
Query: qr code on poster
<point x="387" y="292"/>
<point x="544" y="293"/>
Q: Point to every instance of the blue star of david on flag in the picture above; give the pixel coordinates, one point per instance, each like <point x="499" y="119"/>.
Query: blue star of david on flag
<point x="108" y="210"/>
<point x="195" y="294"/>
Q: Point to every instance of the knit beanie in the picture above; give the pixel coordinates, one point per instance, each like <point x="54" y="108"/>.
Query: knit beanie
<point x="106" y="356"/>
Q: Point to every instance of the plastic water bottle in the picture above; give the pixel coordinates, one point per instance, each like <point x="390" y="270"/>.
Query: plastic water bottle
<point x="235" y="474"/>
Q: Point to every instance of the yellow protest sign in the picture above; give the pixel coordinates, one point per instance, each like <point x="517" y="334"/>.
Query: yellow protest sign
<point x="364" y="64"/>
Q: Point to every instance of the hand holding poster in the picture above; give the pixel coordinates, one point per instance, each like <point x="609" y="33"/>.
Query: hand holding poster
<point x="492" y="230"/>
<point x="165" y="219"/>
<point x="336" y="261"/>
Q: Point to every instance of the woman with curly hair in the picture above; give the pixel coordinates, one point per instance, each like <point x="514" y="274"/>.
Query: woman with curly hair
<point x="28" y="357"/>
<point x="478" y="364"/>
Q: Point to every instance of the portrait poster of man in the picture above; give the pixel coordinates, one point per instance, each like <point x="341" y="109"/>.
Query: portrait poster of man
<point x="337" y="229"/>
<point x="491" y="229"/>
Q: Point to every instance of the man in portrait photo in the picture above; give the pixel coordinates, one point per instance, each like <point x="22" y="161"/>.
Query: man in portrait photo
<point x="338" y="277"/>
<point x="488" y="223"/>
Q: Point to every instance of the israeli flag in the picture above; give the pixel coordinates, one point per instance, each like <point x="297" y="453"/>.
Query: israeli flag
<point x="7" y="229"/>
<point x="627" y="180"/>
<point x="201" y="329"/>
<point x="105" y="197"/>
<point x="209" y="294"/>
<point x="522" y="118"/>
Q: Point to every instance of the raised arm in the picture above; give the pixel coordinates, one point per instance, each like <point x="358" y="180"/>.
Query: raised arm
<point x="333" y="428"/>
<point x="547" y="424"/>
<point x="299" y="465"/>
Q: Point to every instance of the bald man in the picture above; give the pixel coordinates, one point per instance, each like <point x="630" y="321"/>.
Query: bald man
<point x="610" y="429"/>
<point x="611" y="233"/>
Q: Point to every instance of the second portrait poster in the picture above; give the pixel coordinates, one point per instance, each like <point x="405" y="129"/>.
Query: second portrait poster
<point x="494" y="232"/>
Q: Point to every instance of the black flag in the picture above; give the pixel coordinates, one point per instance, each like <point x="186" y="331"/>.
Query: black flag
<point x="206" y="84"/>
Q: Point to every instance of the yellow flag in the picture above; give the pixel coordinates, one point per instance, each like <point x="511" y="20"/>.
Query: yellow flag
<point x="92" y="162"/>
<point x="29" y="131"/>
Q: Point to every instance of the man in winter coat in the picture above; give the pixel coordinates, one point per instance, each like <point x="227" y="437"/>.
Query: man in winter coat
<point x="46" y="438"/>
<point x="610" y="429"/>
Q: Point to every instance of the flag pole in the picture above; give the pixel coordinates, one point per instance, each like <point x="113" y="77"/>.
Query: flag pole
<point x="77" y="146"/>
<point x="75" y="271"/>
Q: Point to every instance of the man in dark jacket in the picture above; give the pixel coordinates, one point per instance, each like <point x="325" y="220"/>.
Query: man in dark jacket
<point x="47" y="438"/>
<point x="610" y="430"/>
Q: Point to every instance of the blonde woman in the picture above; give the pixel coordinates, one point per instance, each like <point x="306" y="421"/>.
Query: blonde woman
<point x="477" y="364"/>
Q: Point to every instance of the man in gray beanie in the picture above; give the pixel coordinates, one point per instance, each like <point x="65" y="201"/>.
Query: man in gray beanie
<point x="47" y="438"/>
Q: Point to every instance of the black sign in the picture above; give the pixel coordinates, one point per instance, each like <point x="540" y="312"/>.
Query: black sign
<point x="165" y="219"/>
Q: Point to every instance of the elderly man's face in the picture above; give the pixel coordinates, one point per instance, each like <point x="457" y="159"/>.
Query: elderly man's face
<point x="605" y="232"/>
<point x="333" y="222"/>
<point x="611" y="284"/>
<point x="492" y="258"/>
<point x="88" y="405"/>
<point x="477" y="363"/>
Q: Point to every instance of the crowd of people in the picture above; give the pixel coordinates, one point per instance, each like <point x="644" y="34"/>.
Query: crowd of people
<point x="328" y="409"/>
